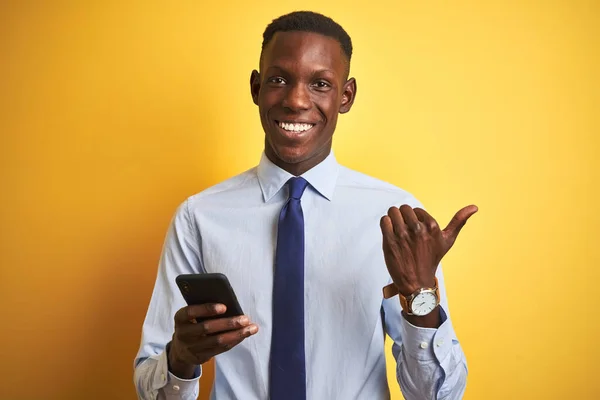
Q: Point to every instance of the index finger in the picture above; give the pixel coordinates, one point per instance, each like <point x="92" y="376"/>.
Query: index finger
<point x="190" y="313"/>
<point x="427" y="220"/>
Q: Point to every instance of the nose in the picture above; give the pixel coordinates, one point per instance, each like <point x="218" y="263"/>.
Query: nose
<point x="297" y="98"/>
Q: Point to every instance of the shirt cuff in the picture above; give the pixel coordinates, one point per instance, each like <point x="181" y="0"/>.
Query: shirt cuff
<point x="164" y="379"/>
<point x="427" y="344"/>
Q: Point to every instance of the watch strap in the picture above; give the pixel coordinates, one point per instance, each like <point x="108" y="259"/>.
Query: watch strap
<point x="391" y="290"/>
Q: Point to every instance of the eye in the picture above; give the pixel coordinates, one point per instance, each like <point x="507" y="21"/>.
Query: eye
<point x="321" y="85"/>
<point x="277" y="80"/>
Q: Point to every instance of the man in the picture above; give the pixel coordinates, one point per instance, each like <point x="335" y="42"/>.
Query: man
<point x="300" y="239"/>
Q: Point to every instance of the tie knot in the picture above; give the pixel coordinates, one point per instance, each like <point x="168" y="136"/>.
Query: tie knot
<point x="297" y="186"/>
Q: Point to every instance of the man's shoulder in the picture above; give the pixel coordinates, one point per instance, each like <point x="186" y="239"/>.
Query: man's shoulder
<point x="230" y="187"/>
<point x="361" y="182"/>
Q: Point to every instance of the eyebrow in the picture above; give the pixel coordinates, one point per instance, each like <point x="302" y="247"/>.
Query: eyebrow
<point x="319" y="71"/>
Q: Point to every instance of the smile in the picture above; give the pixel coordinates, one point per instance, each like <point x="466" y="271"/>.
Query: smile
<point x="294" y="126"/>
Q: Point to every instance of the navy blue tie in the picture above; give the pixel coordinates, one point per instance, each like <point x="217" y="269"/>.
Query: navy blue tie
<point x="287" y="368"/>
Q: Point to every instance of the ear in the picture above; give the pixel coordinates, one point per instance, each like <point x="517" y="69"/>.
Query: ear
<point x="255" y="86"/>
<point x="348" y="96"/>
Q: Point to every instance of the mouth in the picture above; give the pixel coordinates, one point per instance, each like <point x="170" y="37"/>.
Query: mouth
<point x="295" y="129"/>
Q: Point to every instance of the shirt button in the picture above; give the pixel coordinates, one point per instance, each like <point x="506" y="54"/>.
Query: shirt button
<point x="439" y="343"/>
<point x="162" y="376"/>
<point x="176" y="388"/>
<point x="424" y="345"/>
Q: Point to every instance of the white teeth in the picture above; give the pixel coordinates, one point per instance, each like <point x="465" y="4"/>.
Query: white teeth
<point x="295" y="127"/>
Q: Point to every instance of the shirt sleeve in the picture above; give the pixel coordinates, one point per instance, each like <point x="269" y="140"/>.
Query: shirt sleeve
<point x="430" y="362"/>
<point x="180" y="255"/>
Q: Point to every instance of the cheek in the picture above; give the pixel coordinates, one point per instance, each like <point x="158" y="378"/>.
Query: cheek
<point x="269" y="98"/>
<point x="329" y="106"/>
<point x="330" y="110"/>
<point x="263" y="104"/>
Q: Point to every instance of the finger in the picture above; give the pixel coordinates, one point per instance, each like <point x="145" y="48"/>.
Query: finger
<point x="190" y="333"/>
<point x="215" y="351"/>
<point x="220" y="325"/>
<point x="427" y="220"/>
<point x="397" y="221"/>
<point x="387" y="229"/>
<point x="190" y="313"/>
<point x="201" y="353"/>
<point x="458" y="221"/>
<point x="410" y="218"/>
<point x="224" y="340"/>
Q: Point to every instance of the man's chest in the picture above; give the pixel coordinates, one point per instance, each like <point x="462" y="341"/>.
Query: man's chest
<point x="344" y="266"/>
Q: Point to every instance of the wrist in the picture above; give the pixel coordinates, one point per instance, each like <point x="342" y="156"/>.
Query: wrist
<point x="408" y="288"/>
<point x="431" y="320"/>
<point x="422" y="301"/>
<point x="176" y="366"/>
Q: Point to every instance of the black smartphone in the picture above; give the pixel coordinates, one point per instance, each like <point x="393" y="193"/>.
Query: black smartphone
<point x="209" y="288"/>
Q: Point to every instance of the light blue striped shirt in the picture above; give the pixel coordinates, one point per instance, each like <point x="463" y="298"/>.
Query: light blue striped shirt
<point x="232" y="228"/>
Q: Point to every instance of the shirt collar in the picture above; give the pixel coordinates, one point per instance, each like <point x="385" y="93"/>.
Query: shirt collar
<point x="322" y="177"/>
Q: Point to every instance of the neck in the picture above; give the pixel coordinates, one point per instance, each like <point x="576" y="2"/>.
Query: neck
<point x="297" y="168"/>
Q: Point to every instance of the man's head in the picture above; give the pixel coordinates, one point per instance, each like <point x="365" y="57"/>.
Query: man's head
<point x="301" y="87"/>
<point x="308" y="21"/>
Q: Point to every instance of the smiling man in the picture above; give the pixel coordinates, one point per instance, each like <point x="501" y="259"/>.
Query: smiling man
<point x="308" y="245"/>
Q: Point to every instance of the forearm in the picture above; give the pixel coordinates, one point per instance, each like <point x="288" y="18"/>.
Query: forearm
<point x="422" y="380"/>
<point x="431" y="363"/>
<point x="153" y="381"/>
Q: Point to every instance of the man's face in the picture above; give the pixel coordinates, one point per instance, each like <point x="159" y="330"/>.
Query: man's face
<point x="300" y="90"/>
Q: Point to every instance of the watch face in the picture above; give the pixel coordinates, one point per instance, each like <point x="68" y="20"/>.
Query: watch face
<point x="423" y="303"/>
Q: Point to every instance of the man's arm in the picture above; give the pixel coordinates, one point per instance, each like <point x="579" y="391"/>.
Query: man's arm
<point x="430" y="362"/>
<point x="180" y="255"/>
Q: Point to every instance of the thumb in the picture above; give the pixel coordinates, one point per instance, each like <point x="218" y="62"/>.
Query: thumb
<point x="457" y="222"/>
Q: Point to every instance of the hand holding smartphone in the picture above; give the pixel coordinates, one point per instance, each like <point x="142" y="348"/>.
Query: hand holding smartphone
<point x="211" y="323"/>
<point x="211" y="288"/>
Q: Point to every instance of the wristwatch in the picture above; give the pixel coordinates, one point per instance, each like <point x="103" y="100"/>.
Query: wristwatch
<point x="420" y="303"/>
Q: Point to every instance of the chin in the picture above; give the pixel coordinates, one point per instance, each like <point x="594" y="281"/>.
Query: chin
<point x="281" y="150"/>
<point x="291" y="155"/>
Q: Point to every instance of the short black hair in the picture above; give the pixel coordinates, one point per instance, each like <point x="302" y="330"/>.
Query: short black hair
<point x="308" y="21"/>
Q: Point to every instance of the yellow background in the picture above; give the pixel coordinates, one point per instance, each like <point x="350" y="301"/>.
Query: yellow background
<point x="111" y="114"/>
